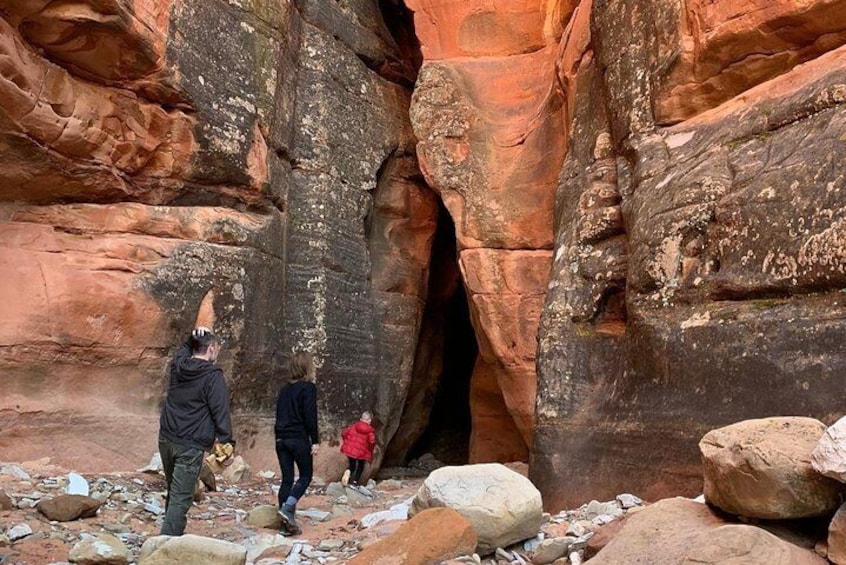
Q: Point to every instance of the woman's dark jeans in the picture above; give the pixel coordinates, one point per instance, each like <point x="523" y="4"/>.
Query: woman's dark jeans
<point x="289" y="452"/>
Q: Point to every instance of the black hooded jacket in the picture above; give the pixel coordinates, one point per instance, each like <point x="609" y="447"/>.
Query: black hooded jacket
<point x="196" y="410"/>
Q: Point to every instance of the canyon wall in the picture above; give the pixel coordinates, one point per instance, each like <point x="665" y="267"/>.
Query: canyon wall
<point x="246" y="164"/>
<point x="699" y="251"/>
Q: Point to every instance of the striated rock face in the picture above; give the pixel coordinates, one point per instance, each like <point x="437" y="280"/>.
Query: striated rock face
<point x="490" y="126"/>
<point x="698" y="248"/>
<point x="263" y="181"/>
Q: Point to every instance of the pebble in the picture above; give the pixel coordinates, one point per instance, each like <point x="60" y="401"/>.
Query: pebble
<point x="628" y="501"/>
<point x="330" y="545"/>
<point x="77" y="485"/>
<point x="19" y="532"/>
<point x="14" y="471"/>
<point x="154" y="509"/>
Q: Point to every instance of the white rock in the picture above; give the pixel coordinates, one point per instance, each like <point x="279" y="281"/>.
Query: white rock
<point x="595" y="508"/>
<point x="154" y="466"/>
<point x="575" y="558"/>
<point x="503" y="506"/>
<point x="829" y="456"/>
<point x="330" y="545"/>
<point x="267" y="474"/>
<point x="628" y="501"/>
<point x="396" y="512"/>
<point x="77" y="485"/>
<point x="19" y="532"/>
<point x="532" y="545"/>
<point x="101" y="550"/>
<point x="14" y="471"/>
<point x="314" y="514"/>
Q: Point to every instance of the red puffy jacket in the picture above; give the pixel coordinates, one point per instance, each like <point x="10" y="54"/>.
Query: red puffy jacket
<point x="359" y="441"/>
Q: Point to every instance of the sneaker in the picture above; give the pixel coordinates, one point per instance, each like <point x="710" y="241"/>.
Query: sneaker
<point x="345" y="479"/>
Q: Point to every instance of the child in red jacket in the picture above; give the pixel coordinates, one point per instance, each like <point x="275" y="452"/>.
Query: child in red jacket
<point x="358" y="442"/>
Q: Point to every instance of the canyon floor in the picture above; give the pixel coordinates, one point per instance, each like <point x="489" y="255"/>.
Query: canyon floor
<point x="132" y="499"/>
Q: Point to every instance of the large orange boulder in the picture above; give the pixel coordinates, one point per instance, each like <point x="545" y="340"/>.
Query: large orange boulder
<point x="762" y="469"/>
<point x="432" y="536"/>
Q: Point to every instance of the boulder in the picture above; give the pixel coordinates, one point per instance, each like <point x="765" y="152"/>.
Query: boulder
<point x="739" y="543"/>
<point x="503" y="506"/>
<point x="433" y="535"/>
<point x="165" y="550"/>
<point x="762" y="469"/>
<point x="101" y="550"/>
<point x="829" y="456"/>
<point x="679" y="531"/>
<point x="265" y="516"/>
<point x="68" y="507"/>
<point x="837" y="537"/>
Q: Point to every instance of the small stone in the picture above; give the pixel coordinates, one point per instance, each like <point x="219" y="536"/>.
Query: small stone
<point x="552" y="549"/>
<point x="389" y="484"/>
<point x="68" y="507"/>
<point x="628" y="501"/>
<point x="267" y="474"/>
<point x="154" y="509"/>
<point x="5" y="502"/>
<point x="14" y="471"/>
<point x="341" y="511"/>
<point x="330" y="545"/>
<point x="532" y="544"/>
<point x="154" y="466"/>
<point x="77" y="485"/>
<point x="104" y="549"/>
<point x="502" y="554"/>
<point x="335" y="490"/>
<point x="315" y="514"/>
<point x="18" y="532"/>
<point x="575" y="558"/>
<point x="595" y="509"/>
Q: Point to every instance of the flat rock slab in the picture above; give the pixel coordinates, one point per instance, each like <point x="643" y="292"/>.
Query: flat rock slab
<point x="101" y="550"/>
<point x="166" y="550"/>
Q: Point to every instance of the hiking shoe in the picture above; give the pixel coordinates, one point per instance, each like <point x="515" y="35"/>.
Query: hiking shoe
<point x="289" y="520"/>
<point x="288" y="530"/>
<point x="345" y="479"/>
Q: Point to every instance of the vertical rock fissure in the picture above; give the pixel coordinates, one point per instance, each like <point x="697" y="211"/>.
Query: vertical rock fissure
<point x="436" y="413"/>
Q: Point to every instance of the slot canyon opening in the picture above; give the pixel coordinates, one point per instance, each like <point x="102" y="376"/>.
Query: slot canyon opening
<point x="436" y="415"/>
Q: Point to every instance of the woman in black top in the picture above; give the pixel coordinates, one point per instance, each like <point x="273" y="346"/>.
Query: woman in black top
<point x="296" y="435"/>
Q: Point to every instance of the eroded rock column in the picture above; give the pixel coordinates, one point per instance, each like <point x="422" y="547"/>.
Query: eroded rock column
<point x="698" y="269"/>
<point x="489" y="119"/>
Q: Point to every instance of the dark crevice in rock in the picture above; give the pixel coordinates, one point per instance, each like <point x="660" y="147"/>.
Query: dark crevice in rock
<point x="400" y="23"/>
<point x="436" y="415"/>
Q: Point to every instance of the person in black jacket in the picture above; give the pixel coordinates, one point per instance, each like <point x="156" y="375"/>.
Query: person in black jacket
<point x="296" y="435"/>
<point x="194" y="415"/>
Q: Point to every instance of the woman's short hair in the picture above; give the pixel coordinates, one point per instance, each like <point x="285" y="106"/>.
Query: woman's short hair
<point x="300" y="366"/>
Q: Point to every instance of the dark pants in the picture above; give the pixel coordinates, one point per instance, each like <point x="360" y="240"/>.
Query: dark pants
<point x="182" y="466"/>
<point x="289" y="452"/>
<point x="356" y="469"/>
